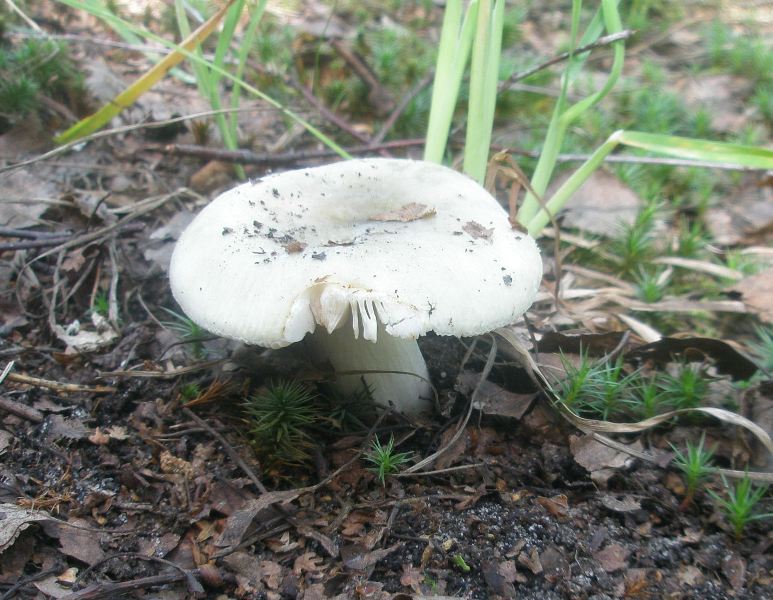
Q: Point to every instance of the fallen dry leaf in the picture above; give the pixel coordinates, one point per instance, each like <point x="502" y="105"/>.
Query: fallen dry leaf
<point x="748" y="219"/>
<point x="531" y="561"/>
<point x="493" y="399"/>
<point x="62" y="427"/>
<point x="358" y="558"/>
<point x="80" y="542"/>
<point x="555" y="565"/>
<point x="757" y="294"/>
<point x="496" y="583"/>
<point x="690" y="576"/>
<point x="721" y="96"/>
<point x="603" y="205"/>
<point x="240" y="521"/>
<point x="14" y="520"/>
<point x="612" y="558"/>
<point x="406" y="213"/>
<point x="412" y="577"/>
<point x="558" y="506"/>
<point x="308" y="562"/>
<point x="593" y="455"/>
<point x="627" y="504"/>
<point x="697" y="349"/>
<point x="99" y="438"/>
<point x="270" y="573"/>
<point x="734" y="569"/>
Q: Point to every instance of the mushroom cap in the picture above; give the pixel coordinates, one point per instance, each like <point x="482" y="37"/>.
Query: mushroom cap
<point x="412" y="245"/>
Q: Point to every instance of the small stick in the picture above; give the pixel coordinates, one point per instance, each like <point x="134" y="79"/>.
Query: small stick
<point x="252" y="158"/>
<point x="21" y="410"/>
<point x="324" y="111"/>
<point x="30" y="234"/>
<point x="602" y="41"/>
<point x="29" y="244"/>
<point x="109" y="590"/>
<point x="229" y="450"/>
<point x="58" y="386"/>
<point x="400" y="108"/>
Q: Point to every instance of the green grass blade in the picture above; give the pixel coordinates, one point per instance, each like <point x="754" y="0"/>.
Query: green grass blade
<point x="132" y="38"/>
<point x="109" y="18"/>
<point x="717" y="152"/>
<point x="484" y="75"/>
<point x="752" y="157"/>
<point x="247" y="43"/>
<point x="453" y="52"/>
<point x="208" y="81"/>
<point x="126" y="98"/>
<point x="609" y="16"/>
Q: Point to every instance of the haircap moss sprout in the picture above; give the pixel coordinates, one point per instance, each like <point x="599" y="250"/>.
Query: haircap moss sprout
<point x="739" y="502"/>
<point x="385" y="460"/>
<point x="695" y="465"/>
<point x="278" y="417"/>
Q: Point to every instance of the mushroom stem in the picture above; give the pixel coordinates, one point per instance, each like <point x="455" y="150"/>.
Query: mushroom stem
<point x="402" y="380"/>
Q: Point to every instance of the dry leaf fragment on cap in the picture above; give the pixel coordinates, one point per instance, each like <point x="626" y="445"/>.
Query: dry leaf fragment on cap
<point x="477" y="231"/>
<point x="406" y="213"/>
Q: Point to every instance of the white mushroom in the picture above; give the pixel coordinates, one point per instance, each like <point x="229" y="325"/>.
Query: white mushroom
<point x="376" y="252"/>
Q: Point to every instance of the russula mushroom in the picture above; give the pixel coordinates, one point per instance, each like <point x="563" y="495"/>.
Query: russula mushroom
<point x="359" y="258"/>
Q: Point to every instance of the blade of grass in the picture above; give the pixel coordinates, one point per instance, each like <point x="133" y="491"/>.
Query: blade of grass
<point x="208" y="81"/>
<point x="718" y="152"/>
<point x="132" y="38"/>
<point x="484" y="76"/>
<point x="455" y="43"/>
<point x="607" y="18"/>
<point x="247" y="43"/>
<point x="108" y="17"/>
<point x="126" y="98"/>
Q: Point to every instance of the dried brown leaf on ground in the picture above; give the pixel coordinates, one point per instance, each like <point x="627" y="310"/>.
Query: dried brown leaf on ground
<point x="747" y="218"/>
<point x="358" y="558"/>
<point x="603" y="205"/>
<point x="722" y="96"/>
<point x="79" y="540"/>
<point x="239" y="522"/>
<point x="734" y="569"/>
<point x="14" y="520"/>
<point x="493" y="399"/>
<point x="721" y="354"/>
<point x="594" y="456"/>
<point x="757" y="293"/>
<point x="612" y="558"/>
<point x="557" y="506"/>
<point x="26" y="196"/>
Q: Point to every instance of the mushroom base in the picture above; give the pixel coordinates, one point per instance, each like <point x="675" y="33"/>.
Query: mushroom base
<point x="393" y="368"/>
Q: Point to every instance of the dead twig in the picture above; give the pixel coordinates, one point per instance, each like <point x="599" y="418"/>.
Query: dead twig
<point x="53" y="385"/>
<point x="163" y="374"/>
<point x="109" y="589"/>
<point x="21" y="410"/>
<point x="229" y="450"/>
<point x="483" y="377"/>
<point x="599" y="43"/>
<point x="246" y="157"/>
<point x="400" y="108"/>
<point x="106" y="589"/>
